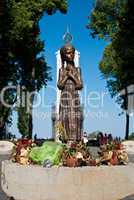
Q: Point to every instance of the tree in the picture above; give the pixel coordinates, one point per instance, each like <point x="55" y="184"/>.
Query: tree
<point x="29" y="50"/>
<point x="7" y="69"/>
<point x="131" y="136"/>
<point x="22" y="59"/>
<point x="113" y="20"/>
<point x="106" y="18"/>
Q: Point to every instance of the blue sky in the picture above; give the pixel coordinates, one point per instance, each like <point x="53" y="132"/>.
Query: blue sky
<point x="101" y="114"/>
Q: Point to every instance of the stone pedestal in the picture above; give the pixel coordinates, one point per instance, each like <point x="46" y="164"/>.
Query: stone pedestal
<point x="87" y="183"/>
<point x="5" y="154"/>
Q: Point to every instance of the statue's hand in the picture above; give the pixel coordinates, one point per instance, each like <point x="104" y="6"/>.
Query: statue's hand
<point x="72" y="75"/>
<point x="67" y="73"/>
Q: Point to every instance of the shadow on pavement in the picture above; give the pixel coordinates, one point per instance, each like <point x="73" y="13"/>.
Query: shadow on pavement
<point x="131" y="197"/>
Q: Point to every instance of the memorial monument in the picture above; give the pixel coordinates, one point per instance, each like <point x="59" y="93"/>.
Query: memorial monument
<point x="68" y="110"/>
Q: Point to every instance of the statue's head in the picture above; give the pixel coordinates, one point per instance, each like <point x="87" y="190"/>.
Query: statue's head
<point x="67" y="53"/>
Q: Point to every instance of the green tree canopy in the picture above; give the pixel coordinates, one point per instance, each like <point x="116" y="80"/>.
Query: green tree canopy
<point x="106" y="18"/>
<point x="113" y="20"/>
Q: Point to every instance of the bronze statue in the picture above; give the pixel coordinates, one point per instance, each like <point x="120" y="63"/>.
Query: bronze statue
<point x="70" y="82"/>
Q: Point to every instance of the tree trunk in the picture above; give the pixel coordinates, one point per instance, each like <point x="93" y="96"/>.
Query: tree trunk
<point x="30" y="125"/>
<point x="2" y="133"/>
<point x="127" y="115"/>
<point x="2" y="7"/>
<point x="31" y="102"/>
<point x="127" y="127"/>
<point x="31" y="119"/>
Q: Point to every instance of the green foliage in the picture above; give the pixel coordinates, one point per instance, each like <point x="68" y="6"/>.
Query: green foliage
<point x="113" y="20"/>
<point x="48" y="151"/>
<point x="108" y="65"/>
<point x="27" y="48"/>
<point x="23" y="118"/>
<point x="106" y="18"/>
<point x="117" y="62"/>
<point x="7" y="71"/>
<point x="131" y="136"/>
<point x="26" y="13"/>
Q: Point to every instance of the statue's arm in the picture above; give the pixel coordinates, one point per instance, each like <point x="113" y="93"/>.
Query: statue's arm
<point x="62" y="80"/>
<point x="80" y="82"/>
<point x="77" y="78"/>
<point x="80" y="78"/>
